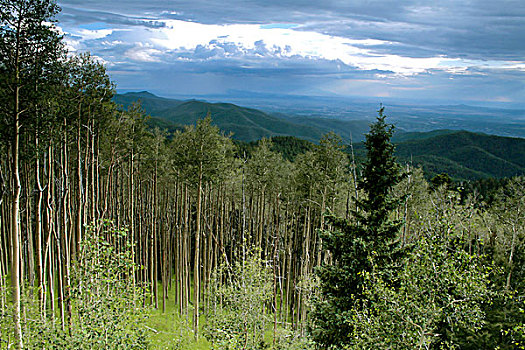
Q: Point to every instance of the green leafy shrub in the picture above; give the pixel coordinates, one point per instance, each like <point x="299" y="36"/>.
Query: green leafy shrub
<point x="108" y="306"/>
<point x="238" y="297"/>
<point x="107" y="311"/>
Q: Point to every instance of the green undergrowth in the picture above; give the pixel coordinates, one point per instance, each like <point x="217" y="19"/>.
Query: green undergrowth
<point x="169" y="329"/>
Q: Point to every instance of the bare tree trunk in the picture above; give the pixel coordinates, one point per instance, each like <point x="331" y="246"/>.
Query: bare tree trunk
<point x="155" y="239"/>
<point x="132" y="216"/>
<point x="511" y="255"/>
<point x="49" y="230"/>
<point x="196" y="267"/>
<point x="93" y="179"/>
<point x="80" y="216"/>
<point x="38" y="228"/>
<point x="65" y="229"/>
<point x="15" y="218"/>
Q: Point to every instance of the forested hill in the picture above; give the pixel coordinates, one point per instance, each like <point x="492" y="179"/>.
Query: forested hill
<point x="466" y="155"/>
<point x="246" y="124"/>
<point x="461" y="154"/>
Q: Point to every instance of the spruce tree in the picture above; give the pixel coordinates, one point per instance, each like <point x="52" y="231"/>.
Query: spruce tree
<point x="364" y="244"/>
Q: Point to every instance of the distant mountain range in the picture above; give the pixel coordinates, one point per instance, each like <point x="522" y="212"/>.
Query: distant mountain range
<point x="489" y="117"/>
<point x="461" y="154"/>
<point x="246" y="124"/>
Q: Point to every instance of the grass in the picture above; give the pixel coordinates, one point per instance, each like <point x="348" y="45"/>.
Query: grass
<point x="170" y="330"/>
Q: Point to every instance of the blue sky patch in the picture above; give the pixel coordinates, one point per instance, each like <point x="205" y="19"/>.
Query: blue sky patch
<point x="279" y="26"/>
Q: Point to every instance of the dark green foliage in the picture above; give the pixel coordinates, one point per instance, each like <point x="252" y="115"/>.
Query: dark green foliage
<point x="202" y="152"/>
<point x="440" y="180"/>
<point x="321" y="171"/>
<point x="25" y="24"/>
<point x="380" y="174"/>
<point x="440" y="295"/>
<point x="503" y="249"/>
<point x="349" y="130"/>
<point x="263" y="168"/>
<point x="401" y="136"/>
<point x="162" y="124"/>
<point x="434" y="165"/>
<point x="485" y="189"/>
<point x="465" y="155"/>
<point x="151" y="103"/>
<point x="288" y="146"/>
<point x="154" y="105"/>
<point x="460" y="154"/>
<point x="501" y="329"/>
<point x="31" y="67"/>
<point x="359" y="247"/>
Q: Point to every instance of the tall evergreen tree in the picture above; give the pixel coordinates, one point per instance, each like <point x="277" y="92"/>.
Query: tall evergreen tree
<point x="365" y="244"/>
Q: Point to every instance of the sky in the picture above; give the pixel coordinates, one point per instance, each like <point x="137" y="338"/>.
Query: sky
<point x="457" y="51"/>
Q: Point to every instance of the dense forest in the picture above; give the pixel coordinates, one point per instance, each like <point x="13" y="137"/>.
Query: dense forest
<point x="463" y="155"/>
<point x="106" y="223"/>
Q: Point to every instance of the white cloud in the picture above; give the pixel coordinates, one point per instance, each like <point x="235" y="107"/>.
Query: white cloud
<point x="88" y="34"/>
<point x="183" y="36"/>
<point x="143" y="53"/>
<point x="112" y="43"/>
<point x="192" y="41"/>
<point x="101" y="60"/>
<point x="171" y="13"/>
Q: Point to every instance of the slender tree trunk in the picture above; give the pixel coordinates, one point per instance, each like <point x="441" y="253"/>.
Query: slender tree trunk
<point x="65" y="230"/>
<point x="132" y="216"/>
<point x="49" y="230"/>
<point x="15" y="218"/>
<point x="80" y="215"/>
<point x="196" y="267"/>
<point x="511" y="255"/>
<point x="27" y="246"/>
<point x="38" y="228"/>
<point x="155" y="239"/>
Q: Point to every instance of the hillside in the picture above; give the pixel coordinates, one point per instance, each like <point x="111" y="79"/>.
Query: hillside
<point x="466" y="155"/>
<point x="150" y="102"/>
<point x="349" y="130"/>
<point x="461" y="154"/>
<point x="246" y="124"/>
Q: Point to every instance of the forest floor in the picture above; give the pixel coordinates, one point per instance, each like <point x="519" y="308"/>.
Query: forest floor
<point x="168" y="330"/>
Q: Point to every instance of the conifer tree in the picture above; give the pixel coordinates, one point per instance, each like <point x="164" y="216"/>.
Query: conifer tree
<point x="363" y="245"/>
